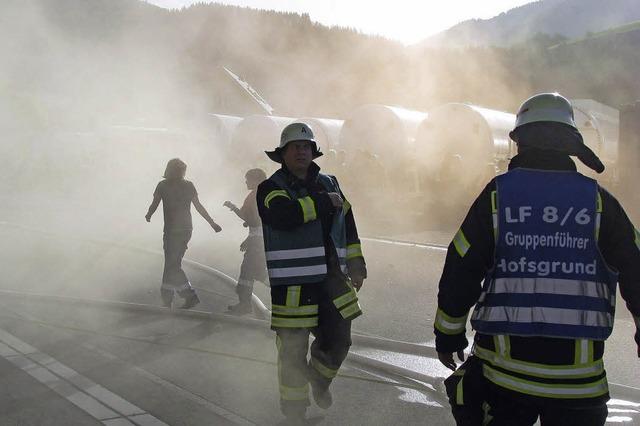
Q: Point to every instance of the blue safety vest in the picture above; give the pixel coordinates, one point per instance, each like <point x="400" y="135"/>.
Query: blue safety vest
<point x="298" y="256"/>
<point x="548" y="278"/>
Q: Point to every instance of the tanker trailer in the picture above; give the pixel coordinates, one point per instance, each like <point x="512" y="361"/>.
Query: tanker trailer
<point x="376" y="141"/>
<point x="458" y="149"/>
<point x="220" y="128"/>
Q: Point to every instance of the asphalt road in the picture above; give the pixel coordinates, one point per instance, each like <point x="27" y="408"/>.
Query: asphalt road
<point x="81" y="363"/>
<point x="169" y="367"/>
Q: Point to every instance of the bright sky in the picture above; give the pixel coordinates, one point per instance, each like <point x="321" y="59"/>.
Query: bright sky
<point x="406" y="20"/>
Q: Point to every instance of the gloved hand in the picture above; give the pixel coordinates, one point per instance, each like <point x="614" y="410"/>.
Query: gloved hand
<point x="216" y="227"/>
<point x="357" y="280"/>
<point x="446" y="358"/>
<point x="357" y="271"/>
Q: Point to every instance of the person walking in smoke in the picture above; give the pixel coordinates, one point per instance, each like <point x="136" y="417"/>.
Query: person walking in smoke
<point x="315" y="266"/>
<point x="253" y="263"/>
<point x="176" y="195"/>
<point x="543" y="313"/>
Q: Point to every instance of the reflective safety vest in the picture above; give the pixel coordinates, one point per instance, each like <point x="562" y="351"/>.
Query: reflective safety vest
<point x="298" y="256"/>
<point x="548" y="278"/>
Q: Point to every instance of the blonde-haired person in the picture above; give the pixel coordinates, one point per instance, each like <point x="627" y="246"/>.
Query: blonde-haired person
<point x="177" y="194"/>
<point x="253" y="267"/>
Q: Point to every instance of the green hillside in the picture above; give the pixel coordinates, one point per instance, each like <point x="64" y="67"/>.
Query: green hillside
<point x="611" y="32"/>
<point x="82" y="63"/>
<point x="569" y="19"/>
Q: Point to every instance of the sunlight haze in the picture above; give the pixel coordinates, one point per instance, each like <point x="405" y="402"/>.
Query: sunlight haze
<point x="408" y="21"/>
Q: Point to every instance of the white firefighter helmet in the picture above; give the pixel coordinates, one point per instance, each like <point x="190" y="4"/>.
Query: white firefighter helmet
<point x="546" y="107"/>
<point x="550" y="116"/>
<point x="292" y="133"/>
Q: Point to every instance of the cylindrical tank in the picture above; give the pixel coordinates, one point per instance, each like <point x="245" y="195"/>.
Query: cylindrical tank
<point x="220" y="127"/>
<point x="373" y="159"/>
<point x="381" y="130"/>
<point x="460" y="146"/>
<point x="253" y="136"/>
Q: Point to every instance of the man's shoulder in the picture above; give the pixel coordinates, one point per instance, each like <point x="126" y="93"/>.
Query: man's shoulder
<point x="610" y="204"/>
<point x="328" y="178"/>
<point x="491" y="185"/>
<point x="266" y="186"/>
<point x="327" y="175"/>
<point x="277" y="176"/>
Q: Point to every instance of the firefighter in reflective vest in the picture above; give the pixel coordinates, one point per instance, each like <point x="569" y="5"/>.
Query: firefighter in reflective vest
<point x="315" y="267"/>
<point x="551" y="246"/>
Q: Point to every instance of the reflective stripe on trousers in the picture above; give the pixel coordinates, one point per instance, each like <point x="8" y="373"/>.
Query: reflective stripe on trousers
<point x="557" y="390"/>
<point x="292" y="365"/>
<point x="292" y="314"/>
<point x="585" y="378"/>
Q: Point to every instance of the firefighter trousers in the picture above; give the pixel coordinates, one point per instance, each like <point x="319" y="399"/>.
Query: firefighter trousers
<point x="477" y="402"/>
<point x="505" y="411"/>
<point x="324" y="310"/>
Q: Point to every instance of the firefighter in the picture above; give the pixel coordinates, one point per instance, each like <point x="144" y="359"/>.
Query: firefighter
<point x="253" y="263"/>
<point x="176" y="195"/>
<point x="315" y="267"/>
<point x="551" y="246"/>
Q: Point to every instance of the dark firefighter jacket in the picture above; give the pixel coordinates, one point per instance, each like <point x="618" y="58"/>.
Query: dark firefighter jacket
<point x="280" y="212"/>
<point x="529" y="360"/>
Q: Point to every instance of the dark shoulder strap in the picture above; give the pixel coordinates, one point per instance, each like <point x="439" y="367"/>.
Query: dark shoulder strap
<point x="329" y="182"/>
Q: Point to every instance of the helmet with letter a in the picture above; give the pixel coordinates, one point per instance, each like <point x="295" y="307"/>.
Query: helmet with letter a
<point x="292" y="133"/>
<point x="546" y="121"/>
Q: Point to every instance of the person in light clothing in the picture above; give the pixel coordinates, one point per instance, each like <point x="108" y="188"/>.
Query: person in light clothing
<point x="177" y="194"/>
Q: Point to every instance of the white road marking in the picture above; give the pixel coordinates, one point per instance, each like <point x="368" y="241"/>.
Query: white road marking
<point x="230" y="416"/>
<point x="146" y="420"/>
<point x="46" y="360"/>
<point x="95" y="400"/>
<point x="118" y="422"/>
<point x="439" y="247"/>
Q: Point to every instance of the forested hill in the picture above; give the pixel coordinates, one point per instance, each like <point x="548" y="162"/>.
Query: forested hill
<point x="75" y="63"/>
<point x="565" y="18"/>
